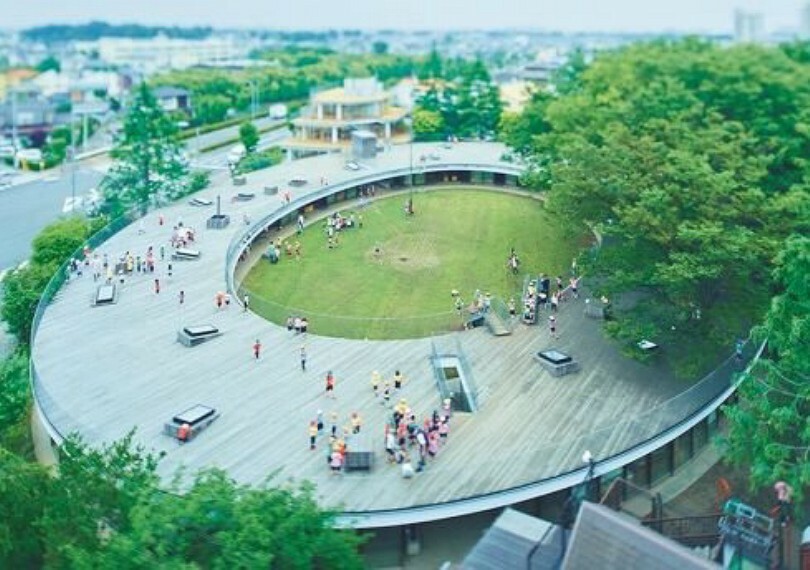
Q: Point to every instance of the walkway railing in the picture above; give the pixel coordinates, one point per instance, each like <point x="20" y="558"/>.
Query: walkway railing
<point x="558" y="465"/>
<point x="360" y="327"/>
<point x="41" y="397"/>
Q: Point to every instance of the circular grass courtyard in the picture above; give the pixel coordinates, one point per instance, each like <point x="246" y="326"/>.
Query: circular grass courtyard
<point x="393" y="277"/>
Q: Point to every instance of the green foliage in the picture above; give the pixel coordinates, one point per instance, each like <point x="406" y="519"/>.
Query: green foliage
<point x="468" y="102"/>
<point x="95" y="495"/>
<point x="768" y="426"/>
<point x="15" y="394"/>
<point x="22" y="289"/>
<point x="428" y="125"/>
<point x="57" y="241"/>
<point x="91" y="31"/>
<point x="249" y="136"/>
<point x="50" y="63"/>
<point x="294" y="73"/>
<point x="148" y="169"/>
<point x="24" y="490"/>
<point x="258" y="160"/>
<point x="105" y="510"/>
<point x="218" y="524"/>
<point x="519" y="130"/>
<point x="199" y="181"/>
<point x="689" y="160"/>
<point x="379" y="47"/>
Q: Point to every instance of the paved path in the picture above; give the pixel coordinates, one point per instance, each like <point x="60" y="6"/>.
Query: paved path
<point x="106" y="370"/>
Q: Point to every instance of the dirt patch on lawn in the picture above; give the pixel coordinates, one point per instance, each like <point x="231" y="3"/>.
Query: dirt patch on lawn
<point x="408" y="253"/>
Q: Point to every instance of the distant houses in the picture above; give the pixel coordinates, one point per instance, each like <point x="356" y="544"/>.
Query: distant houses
<point x="173" y="99"/>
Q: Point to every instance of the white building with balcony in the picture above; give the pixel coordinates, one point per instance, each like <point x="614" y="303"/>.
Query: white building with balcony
<point x="327" y="123"/>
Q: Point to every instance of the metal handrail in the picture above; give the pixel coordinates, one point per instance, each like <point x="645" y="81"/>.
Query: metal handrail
<point x="712" y="390"/>
<point x="48" y="294"/>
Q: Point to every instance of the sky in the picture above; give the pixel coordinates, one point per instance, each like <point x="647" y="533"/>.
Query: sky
<point x="562" y="15"/>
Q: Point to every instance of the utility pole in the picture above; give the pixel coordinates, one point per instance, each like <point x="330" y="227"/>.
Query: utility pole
<point x="14" y="127"/>
<point x="72" y="161"/>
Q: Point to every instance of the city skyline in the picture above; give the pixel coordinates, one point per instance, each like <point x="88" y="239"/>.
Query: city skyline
<point x="639" y="16"/>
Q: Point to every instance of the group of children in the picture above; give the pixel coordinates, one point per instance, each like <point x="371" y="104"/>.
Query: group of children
<point x="339" y="437"/>
<point x="406" y="437"/>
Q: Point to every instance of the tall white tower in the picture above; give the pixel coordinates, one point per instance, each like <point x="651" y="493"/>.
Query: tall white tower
<point x="749" y="27"/>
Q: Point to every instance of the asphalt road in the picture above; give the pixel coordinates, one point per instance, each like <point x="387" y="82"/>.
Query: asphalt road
<point x="26" y="208"/>
<point x="229" y="133"/>
<point x="218" y="159"/>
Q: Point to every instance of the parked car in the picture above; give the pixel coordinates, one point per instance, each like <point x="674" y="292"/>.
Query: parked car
<point x="236" y="154"/>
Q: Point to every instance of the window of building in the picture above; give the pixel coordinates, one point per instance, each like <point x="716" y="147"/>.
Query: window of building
<point x="682" y="451"/>
<point x="700" y="436"/>
<point x="660" y="463"/>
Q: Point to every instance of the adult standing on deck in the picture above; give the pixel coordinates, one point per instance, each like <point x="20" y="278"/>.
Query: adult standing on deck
<point x="330" y="384"/>
<point x="303" y="358"/>
<point x="257" y="349"/>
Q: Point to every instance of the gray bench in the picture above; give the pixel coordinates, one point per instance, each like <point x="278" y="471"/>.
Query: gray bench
<point x="271" y="190"/>
<point x="185" y="254"/>
<point x="198" y="334"/>
<point x="106" y="294"/>
<point x="198" y="418"/>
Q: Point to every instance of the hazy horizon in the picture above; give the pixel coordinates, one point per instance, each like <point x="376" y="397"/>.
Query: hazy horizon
<point x="632" y="16"/>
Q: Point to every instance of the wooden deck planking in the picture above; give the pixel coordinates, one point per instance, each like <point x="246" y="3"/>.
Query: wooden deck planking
<point x="108" y="369"/>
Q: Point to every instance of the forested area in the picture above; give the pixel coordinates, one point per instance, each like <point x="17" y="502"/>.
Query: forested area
<point x="689" y="160"/>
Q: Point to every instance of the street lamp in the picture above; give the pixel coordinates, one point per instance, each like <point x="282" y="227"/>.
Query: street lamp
<point x="254" y="97"/>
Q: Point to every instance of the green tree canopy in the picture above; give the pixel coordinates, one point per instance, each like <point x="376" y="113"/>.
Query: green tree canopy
<point x="769" y="426"/>
<point x="249" y="135"/>
<point x="50" y="63"/>
<point x="428" y="125"/>
<point x="23" y="287"/>
<point x="687" y="158"/>
<point x="468" y="102"/>
<point x="105" y="510"/>
<point x="148" y="169"/>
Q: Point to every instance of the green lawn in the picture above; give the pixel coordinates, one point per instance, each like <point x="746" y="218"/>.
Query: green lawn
<point x="458" y="239"/>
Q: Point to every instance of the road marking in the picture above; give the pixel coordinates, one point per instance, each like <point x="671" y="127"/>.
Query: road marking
<point x="72" y="204"/>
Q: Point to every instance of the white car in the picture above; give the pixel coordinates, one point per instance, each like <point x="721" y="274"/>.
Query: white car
<point x="236" y="154"/>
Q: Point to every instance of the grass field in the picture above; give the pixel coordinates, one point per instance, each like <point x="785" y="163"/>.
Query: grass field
<point x="457" y="239"/>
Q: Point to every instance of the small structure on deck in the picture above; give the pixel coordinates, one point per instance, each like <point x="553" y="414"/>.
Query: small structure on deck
<point x="244" y="197"/>
<point x="360" y="455"/>
<point x="199" y="202"/>
<point x="186" y="254"/>
<point x="198" y="334"/>
<point x="188" y="424"/>
<point x="557" y="363"/>
<point x="364" y="144"/>
<point x="106" y="294"/>
<point x="219" y="220"/>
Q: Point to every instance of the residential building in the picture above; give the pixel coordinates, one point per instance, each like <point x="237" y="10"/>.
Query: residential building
<point x="14" y="77"/>
<point x="26" y="114"/>
<point x="161" y="52"/>
<point x="173" y="99"/>
<point x="327" y="123"/>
